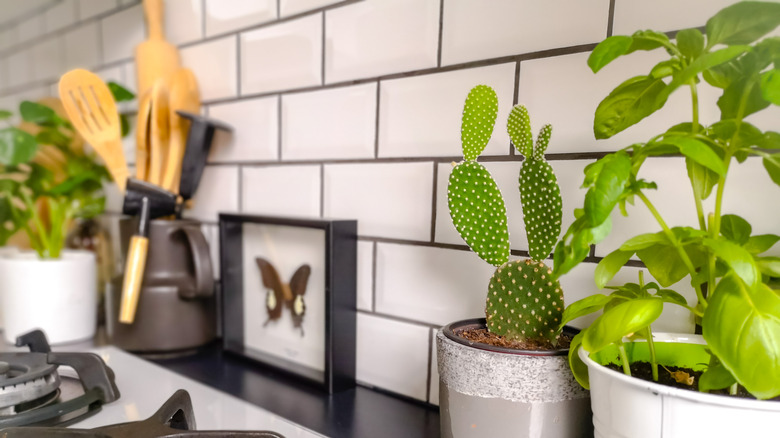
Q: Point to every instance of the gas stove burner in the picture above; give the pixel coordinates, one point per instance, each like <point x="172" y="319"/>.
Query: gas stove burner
<point x="32" y="392"/>
<point x="173" y="419"/>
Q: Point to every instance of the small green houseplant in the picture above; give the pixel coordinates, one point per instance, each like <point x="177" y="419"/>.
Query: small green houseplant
<point x="519" y="339"/>
<point x="738" y="306"/>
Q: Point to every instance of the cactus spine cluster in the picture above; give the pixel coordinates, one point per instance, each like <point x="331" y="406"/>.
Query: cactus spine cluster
<point x="524" y="300"/>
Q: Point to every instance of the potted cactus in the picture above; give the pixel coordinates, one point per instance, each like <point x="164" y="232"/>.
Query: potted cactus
<point x="508" y="371"/>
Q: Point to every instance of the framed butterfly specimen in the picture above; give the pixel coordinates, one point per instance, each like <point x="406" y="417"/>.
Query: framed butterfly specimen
<point x="289" y="295"/>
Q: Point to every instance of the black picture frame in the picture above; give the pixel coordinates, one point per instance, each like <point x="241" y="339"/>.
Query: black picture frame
<point x="336" y="371"/>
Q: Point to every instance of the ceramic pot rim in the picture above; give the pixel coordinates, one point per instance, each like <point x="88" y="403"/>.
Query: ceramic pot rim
<point x="67" y="256"/>
<point x="449" y="331"/>
<point x="694" y="396"/>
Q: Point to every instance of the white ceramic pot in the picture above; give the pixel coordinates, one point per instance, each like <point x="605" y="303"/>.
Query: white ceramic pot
<point x="627" y="407"/>
<point x="4" y="252"/>
<point x="58" y="296"/>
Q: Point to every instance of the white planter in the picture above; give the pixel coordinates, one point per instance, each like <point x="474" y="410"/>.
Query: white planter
<point x="4" y="252"/>
<point x="627" y="407"/>
<point x="58" y="296"/>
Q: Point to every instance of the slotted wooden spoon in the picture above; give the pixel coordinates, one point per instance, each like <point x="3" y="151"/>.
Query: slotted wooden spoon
<point x="92" y="111"/>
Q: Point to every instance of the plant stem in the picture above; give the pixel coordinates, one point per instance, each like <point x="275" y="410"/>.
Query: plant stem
<point x="676" y="243"/>
<point x="651" y="346"/>
<point x="733" y="389"/>
<point x="44" y="248"/>
<point x="624" y="358"/>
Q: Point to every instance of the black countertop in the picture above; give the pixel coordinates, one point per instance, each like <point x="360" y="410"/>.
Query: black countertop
<point x="356" y="413"/>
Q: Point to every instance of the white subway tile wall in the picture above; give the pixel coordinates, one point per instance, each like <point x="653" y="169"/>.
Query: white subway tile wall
<point x="352" y="109"/>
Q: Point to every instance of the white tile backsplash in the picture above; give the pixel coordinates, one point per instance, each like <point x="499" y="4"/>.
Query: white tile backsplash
<point x="7" y="37"/>
<point x="281" y="190"/>
<point x="430" y="285"/>
<point x="183" y="21"/>
<point x="22" y="70"/>
<point x="633" y="15"/>
<point x="82" y="49"/>
<point x="392" y="355"/>
<point x="292" y="7"/>
<point x="121" y="33"/>
<point x="283" y="56"/>
<point x="472" y="31"/>
<point x="48" y="59"/>
<point x="421" y="115"/>
<point x="337" y="123"/>
<point x="255" y="135"/>
<point x="60" y="15"/>
<point x="215" y="66"/>
<point x="365" y="276"/>
<point x="216" y="193"/>
<point x="90" y="8"/>
<point x="389" y="200"/>
<point x="364" y="40"/>
<point x="31" y="28"/>
<point x="225" y="16"/>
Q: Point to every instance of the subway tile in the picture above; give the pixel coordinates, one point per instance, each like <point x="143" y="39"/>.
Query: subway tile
<point x="214" y="65"/>
<point x="7" y="38"/>
<point x="30" y="28"/>
<point x="292" y="7"/>
<point x="128" y="141"/>
<point x="283" y="56"/>
<point x="82" y="47"/>
<point x="329" y="124"/>
<point x="128" y="2"/>
<point x="430" y="285"/>
<point x="389" y="200"/>
<point x="563" y="91"/>
<point x="216" y="193"/>
<point x="365" y="276"/>
<point x="471" y="32"/>
<point x="60" y="15"/>
<point x="421" y="116"/>
<point x="281" y="190"/>
<point x="211" y="233"/>
<point x="183" y="21"/>
<point x="663" y="15"/>
<point x="392" y="355"/>
<point x="363" y="40"/>
<point x="92" y="8"/>
<point x="433" y="390"/>
<point x="673" y="200"/>
<point x="20" y="67"/>
<point x="255" y="133"/>
<point x="3" y="74"/>
<point x="121" y="33"/>
<point x="47" y="59"/>
<point x="222" y="16"/>
<point x="110" y="74"/>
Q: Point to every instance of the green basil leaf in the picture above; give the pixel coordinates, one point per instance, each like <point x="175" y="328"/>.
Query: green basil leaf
<point x="608" y="50"/>
<point x="577" y="366"/>
<point x="742" y="328"/>
<point x="690" y="42"/>
<point x="624" y="319"/>
<point x="769" y="266"/>
<point x="721" y="76"/>
<point x="699" y="152"/>
<point x="715" y="377"/>
<point x="772" y="166"/>
<point x="585" y="306"/>
<point x="120" y="93"/>
<point x="735" y="228"/>
<point x="664" y="264"/>
<point x="699" y="65"/>
<point x="761" y="243"/>
<point x="670" y="296"/>
<point x="607" y="188"/>
<point x="742" y="23"/>
<point x="627" y="104"/>
<point x="610" y="265"/>
<point x="36" y="113"/>
<point x="648" y="40"/>
<point x="770" y="140"/>
<point x="643" y="241"/>
<point x="770" y="86"/>
<point x="665" y="68"/>
<point x="736" y="257"/>
<point x="731" y="99"/>
<point x="703" y="180"/>
<point x="16" y="146"/>
<point x="5" y="114"/>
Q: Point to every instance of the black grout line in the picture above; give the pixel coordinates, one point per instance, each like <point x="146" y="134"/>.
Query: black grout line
<point x="435" y="196"/>
<point x="515" y="97"/>
<point x="611" y="18"/>
<point x="374" y="250"/>
<point x="441" y="32"/>
<point x="376" y="122"/>
<point x="401" y="319"/>
<point x="431" y="334"/>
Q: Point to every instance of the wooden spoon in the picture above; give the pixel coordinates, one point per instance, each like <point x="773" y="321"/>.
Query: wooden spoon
<point x="155" y="58"/>
<point x="184" y="95"/>
<point x="92" y="111"/>
<point x="158" y="130"/>
<point x="142" y="137"/>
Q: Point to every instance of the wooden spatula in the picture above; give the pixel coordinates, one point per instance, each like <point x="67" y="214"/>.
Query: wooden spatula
<point x="183" y="96"/>
<point x="92" y="111"/>
<point x="158" y="131"/>
<point x="142" y="137"/>
<point x="154" y="58"/>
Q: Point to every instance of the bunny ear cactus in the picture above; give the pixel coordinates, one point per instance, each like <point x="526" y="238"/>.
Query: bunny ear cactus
<point x="524" y="300"/>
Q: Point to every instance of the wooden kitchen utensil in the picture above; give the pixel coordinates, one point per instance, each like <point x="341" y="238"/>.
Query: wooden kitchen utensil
<point x="158" y="130"/>
<point x="183" y="96"/>
<point x="142" y="137"/>
<point x="92" y="111"/>
<point x="154" y="58"/>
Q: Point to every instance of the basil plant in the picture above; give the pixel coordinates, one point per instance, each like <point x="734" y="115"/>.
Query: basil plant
<point x="737" y="306"/>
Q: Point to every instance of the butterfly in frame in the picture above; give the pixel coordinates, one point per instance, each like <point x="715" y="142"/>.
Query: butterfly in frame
<point x="280" y="295"/>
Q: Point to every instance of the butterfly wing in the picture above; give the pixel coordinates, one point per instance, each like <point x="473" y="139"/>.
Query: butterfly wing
<point x="273" y="285"/>
<point x="298" y="283"/>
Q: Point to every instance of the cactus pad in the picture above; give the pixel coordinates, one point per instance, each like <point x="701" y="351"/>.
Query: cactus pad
<point x="524" y="301"/>
<point x="518" y="125"/>
<point x="478" y="212"/>
<point x="542" y="207"/>
<point x="479" y="116"/>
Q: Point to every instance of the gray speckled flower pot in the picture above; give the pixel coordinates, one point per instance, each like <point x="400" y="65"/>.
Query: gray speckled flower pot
<point x="487" y="391"/>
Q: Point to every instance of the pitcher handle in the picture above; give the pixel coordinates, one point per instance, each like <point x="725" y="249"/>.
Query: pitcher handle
<point x="201" y="259"/>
